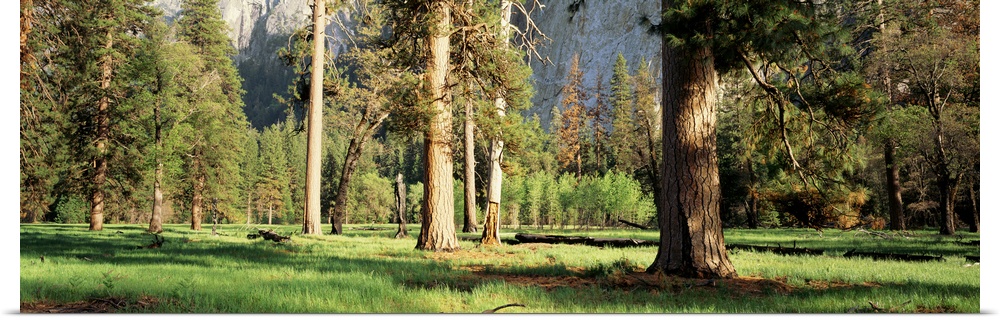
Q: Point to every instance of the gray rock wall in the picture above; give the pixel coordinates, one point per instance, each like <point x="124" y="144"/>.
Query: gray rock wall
<point x="597" y="31"/>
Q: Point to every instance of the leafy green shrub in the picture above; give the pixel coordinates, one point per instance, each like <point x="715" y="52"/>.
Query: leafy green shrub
<point x="621" y="266"/>
<point x="71" y="209"/>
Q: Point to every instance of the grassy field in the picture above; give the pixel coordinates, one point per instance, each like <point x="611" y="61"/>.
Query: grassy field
<point x="370" y="272"/>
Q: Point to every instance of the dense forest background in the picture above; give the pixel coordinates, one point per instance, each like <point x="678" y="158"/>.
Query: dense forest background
<point x="116" y="99"/>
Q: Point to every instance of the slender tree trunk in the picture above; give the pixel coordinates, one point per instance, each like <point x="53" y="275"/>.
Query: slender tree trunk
<point x="654" y="170"/>
<point x="340" y="200"/>
<point x="156" y="219"/>
<point x="470" y="171"/>
<point x="270" y="213"/>
<point x="753" y="217"/>
<point x="944" y="182"/>
<point x="249" y="195"/>
<point x="101" y="118"/>
<point x="491" y="222"/>
<point x="437" y="230"/>
<point x="311" y="218"/>
<point x="896" y="219"/>
<point x="401" y="206"/>
<point x="974" y="222"/>
<point x="197" y="199"/>
<point x="691" y="240"/>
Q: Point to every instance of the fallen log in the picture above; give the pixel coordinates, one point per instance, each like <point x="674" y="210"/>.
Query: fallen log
<point x="370" y="228"/>
<point x="633" y="224"/>
<point x="596" y="242"/>
<point x="972" y="258"/>
<point x="892" y="256"/>
<point x="778" y="249"/>
<point x="269" y="235"/>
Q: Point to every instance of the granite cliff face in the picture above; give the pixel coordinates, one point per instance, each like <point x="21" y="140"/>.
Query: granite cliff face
<point x="597" y="30"/>
<point x="594" y="29"/>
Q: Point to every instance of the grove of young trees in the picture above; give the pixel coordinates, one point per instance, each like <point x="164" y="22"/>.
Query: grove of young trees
<point x="822" y="114"/>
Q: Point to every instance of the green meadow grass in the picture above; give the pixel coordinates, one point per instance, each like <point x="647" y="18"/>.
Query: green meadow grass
<point x="370" y="272"/>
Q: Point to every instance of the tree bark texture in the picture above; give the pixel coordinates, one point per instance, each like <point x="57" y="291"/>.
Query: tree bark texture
<point x="896" y="219"/>
<point x="470" y="172"/>
<point x="197" y="199"/>
<point x="946" y="206"/>
<point x="101" y="118"/>
<point x="314" y="149"/>
<point x="691" y="239"/>
<point x="437" y="230"/>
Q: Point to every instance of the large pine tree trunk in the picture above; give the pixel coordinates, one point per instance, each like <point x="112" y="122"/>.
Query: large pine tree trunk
<point x="437" y="230"/>
<point x="470" y="172"/>
<point x="491" y="222"/>
<point x="896" y="219"/>
<point x="197" y="200"/>
<point x="311" y="218"/>
<point x="691" y="240"/>
<point x="101" y="118"/>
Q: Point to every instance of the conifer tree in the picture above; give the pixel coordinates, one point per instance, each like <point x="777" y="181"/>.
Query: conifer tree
<point x="623" y="130"/>
<point x="218" y="117"/>
<point x="570" y="154"/>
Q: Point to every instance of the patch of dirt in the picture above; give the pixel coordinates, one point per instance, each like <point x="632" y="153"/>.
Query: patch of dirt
<point x="935" y="309"/>
<point x="825" y="285"/>
<point x="465" y="254"/>
<point x="97" y="305"/>
<point x="655" y="283"/>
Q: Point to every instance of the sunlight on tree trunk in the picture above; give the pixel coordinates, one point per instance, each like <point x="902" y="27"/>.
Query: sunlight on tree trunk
<point x="691" y="240"/>
<point x="311" y="218"/>
<point x="103" y="131"/>
<point x="437" y="230"/>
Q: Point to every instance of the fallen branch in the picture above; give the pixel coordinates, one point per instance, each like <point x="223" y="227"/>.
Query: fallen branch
<point x="778" y="249"/>
<point x="633" y="224"/>
<point x="892" y="256"/>
<point x="503" y="306"/>
<point x="972" y="258"/>
<point x="157" y="242"/>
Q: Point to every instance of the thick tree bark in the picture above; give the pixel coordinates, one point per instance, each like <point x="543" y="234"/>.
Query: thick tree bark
<point x="437" y="230"/>
<point x="896" y="219"/>
<point x="101" y="118"/>
<point x="311" y="218"/>
<point x="401" y="206"/>
<point x="197" y="199"/>
<point x="470" y="172"/>
<point x="691" y="239"/>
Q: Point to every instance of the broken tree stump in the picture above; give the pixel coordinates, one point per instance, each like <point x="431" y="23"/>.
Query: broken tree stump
<point x="778" y="249"/>
<point x="597" y="242"/>
<point x="893" y="256"/>
<point x="633" y="224"/>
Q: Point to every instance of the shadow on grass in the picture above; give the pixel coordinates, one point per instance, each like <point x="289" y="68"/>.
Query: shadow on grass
<point x="550" y="288"/>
